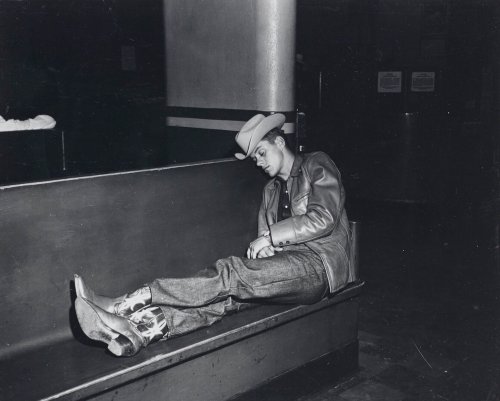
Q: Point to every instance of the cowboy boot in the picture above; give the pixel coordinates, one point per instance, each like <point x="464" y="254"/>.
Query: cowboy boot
<point x="151" y="323"/>
<point x="124" y="337"/>
<point x="121" y="306"/>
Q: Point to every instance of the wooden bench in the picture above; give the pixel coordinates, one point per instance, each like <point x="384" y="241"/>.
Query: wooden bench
<point x="119" y="231"/>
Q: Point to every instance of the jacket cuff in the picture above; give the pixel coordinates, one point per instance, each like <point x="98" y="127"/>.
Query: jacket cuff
<point x="283" y="233"/>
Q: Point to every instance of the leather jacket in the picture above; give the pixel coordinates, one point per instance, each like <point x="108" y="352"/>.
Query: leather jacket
<point x="318" y="219"/>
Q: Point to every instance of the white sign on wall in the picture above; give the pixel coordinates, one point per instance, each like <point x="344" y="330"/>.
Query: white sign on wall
<point x="423" y="81"/>
<point x="389" y="81"/>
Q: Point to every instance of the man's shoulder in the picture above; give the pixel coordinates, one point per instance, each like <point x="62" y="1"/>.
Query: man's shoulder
<point x="316" y="157"/>
<point x="319" y="163"/>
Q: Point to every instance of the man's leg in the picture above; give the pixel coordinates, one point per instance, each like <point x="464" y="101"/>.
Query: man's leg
<point x="294" y="276"/>
<point x="183" y="321"/>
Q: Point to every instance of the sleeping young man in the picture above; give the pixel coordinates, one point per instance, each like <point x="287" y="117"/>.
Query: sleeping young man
<point x="301" y="254"/>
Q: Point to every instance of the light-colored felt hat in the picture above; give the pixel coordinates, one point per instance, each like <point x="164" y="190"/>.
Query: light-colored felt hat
<point x="254" y="130"/>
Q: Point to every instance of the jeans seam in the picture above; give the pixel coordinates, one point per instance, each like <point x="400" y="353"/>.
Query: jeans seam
<point x="279" y="281"/>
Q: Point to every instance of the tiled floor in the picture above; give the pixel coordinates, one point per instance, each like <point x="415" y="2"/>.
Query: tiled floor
<point x="429" y="314"/>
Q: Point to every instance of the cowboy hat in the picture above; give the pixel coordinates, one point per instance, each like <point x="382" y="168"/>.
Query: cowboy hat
<point x="254" y="130"/>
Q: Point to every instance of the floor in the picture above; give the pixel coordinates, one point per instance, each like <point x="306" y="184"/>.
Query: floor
<point x="429" y="324"/>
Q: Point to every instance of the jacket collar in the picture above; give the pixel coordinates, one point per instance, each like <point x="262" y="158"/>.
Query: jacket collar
<point x="296" y="168"/>
<point x="297" y="163"/>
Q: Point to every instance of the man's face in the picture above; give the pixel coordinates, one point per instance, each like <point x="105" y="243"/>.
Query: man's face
<point x="269" y="157"/>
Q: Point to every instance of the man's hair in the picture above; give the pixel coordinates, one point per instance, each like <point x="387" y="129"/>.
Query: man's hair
<point x="273" y="134"/>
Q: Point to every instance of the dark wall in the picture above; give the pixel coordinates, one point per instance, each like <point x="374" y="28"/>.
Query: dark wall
<point x="97" y="67"/>
<point x="350" y="41"/>
<point x="411" y="147"/>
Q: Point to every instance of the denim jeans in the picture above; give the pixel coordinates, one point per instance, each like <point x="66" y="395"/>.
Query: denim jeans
<point x="294" y="276"/>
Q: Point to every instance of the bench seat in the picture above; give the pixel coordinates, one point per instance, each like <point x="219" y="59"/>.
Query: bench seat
<point x="204" y="365"/>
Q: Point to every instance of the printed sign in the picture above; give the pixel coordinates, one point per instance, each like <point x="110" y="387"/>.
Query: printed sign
<point x="423" y="81"/>
<point x="389" y="81"/>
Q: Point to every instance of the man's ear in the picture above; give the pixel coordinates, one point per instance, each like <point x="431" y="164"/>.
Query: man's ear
<point x="280" y="142"/>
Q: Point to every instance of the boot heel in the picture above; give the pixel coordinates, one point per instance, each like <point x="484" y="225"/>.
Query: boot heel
<point x="122" y="346"/>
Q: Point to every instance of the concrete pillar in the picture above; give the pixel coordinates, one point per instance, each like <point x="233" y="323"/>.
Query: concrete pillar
<point x="227" y="60"/>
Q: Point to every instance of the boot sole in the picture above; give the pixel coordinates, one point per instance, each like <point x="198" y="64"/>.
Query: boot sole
<point x="97" y="330"/>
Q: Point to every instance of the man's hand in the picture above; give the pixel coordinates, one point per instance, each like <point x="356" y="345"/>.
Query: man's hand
<point x="258" y="245"/>
<point x="266" y="252"/>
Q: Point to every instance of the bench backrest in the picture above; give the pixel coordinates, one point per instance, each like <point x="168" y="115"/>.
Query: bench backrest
<point x="118" y="231"/>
